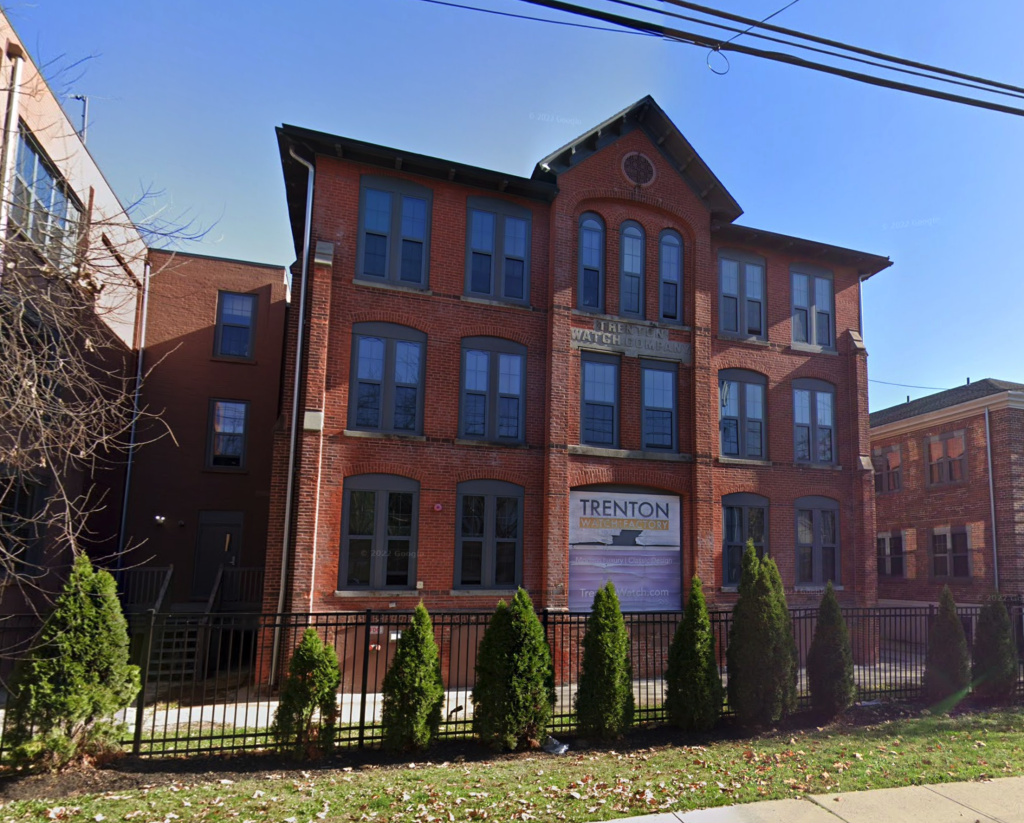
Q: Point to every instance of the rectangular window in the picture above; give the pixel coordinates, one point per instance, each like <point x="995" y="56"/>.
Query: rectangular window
<point x="946" y="458"/>
<point x="659" y="412"/>
<point x="490" y="529"/>
<point x="741" y="413"/>
<point x="813" y="422"/>
<point x="43" y="207"/>
<point x="951" y="553"/>
<point x="741" y="303"/>
<point x="394" y="231"/>
<point x="236" y="320"/>
<point x="890" y="555"/>
<point x="497" y="250"/>
<point x="817" y="543"/>
<point x="631" y="283"/>
<point x="745" y="517"/>
<point x="600" y="395"/>
<point x="228" y="421"/>
<point x="813" y="307"/>
<point x="886" y="462"/>
<point x="591" y="273"/>
<point x="670" y="264"/>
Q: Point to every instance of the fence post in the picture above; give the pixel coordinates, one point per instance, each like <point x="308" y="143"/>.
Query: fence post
<point x="140" y="704"/>
<point x="366" y="674"/>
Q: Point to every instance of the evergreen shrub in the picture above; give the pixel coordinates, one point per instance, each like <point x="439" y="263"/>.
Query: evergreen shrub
<point x="693" y="691"/>
<point x="604" y="698"/>
<point x="413" y="691"/>
<point x="307" y="715"/>
<point x="830" y="660"/>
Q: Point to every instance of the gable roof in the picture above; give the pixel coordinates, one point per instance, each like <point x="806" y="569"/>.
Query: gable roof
<point x="648" y="116"/>
<point x="867" y="264"/>
<point x="943" y="400"/>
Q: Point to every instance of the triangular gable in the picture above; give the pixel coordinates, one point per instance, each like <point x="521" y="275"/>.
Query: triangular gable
<point x="649" y="117"/>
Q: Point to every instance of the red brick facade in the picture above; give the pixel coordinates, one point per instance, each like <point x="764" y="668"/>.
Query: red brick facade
<point x="551" y="462"/>
<point x="919" y="508"/>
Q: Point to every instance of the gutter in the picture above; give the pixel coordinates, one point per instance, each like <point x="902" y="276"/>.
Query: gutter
<point x="135" y="420"/>
<point x="7" y="153"/>
<point x="294" y="433"/>
<point x="992" y="503"/>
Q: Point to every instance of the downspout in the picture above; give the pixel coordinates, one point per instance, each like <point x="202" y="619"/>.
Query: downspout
<point x="135" y="420"/>
<point x="9" y="149"/>
<point x="294" y="434"/>
<point x="992" y="504"/>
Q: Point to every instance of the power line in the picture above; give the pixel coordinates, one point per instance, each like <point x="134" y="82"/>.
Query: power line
<point x="906" y="385"/>
<point x="538" y="19"/>
<point x="697" y="39"/>
<point x="760" y="24"/>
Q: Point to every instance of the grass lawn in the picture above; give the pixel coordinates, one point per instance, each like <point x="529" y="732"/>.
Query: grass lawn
<point x="579" y="786"/>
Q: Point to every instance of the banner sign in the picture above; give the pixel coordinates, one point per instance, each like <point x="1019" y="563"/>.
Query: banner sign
<point x="632" y="539"/>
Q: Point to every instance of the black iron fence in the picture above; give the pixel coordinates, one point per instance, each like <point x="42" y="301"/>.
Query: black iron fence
<point x="209" y="684"/>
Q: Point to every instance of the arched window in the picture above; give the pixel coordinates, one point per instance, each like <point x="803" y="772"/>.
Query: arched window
<point x="670" y="277"/>
<point x="817" y="541"/>
<point x="814" y="424"/>
<point x="378" y="532"/>
<point x="590" y="286"/>
<point x="631" y="270"/>
<point x="493" y="403"/>
<point x="744" y="517"/>
<point x="742" y="414"/>
<point x="387" y="378"/>
<point x="489" y="535"/>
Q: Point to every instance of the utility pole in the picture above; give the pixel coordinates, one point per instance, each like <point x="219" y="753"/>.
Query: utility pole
<point x="84" y="131"/>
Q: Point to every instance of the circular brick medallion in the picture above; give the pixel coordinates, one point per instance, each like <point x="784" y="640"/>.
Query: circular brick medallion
<point x="638" y="169"/>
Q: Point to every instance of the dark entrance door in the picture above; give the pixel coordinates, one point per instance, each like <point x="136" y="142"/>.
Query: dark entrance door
<point x="219" y="544"/>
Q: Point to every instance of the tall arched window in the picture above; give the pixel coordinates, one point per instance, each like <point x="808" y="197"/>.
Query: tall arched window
<point x="744" y="517"/>
<point x="742" y="418"/>
<point x="590" y="286"/>
<point x="670" y="277"/>
<point x="631" y="270"/>
<point x="378" y="532"/>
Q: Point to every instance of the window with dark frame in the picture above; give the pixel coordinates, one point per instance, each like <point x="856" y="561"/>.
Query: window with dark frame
<point x="590" y="285"/>
<point x="890" y="555"/>
<point x="498" y="250"/>
<point x="493" y="403"/>
<point x="632" y="255"/>
<point x="226" y="443"/>
<point x="236" y="324"/>
<point x="888" y="476"/>
<point x="947" y="460"/>
<point x="394" y="231"/>
<point x="660" y="405"/>
<point x="742" y="413"/>
<point x="951" y="552"/>
<point x="42" y="206"/>
<point x="22" y="500"/>
<point x="744" y="517"/>
<point x="670" y="277"/>
<point x="814" y="421"/>
<point x="489" y="546"/>
<point x="817" y="541"/>
<point x="813" y="307"/>
<point x="599" y="393"/>
<point x="741" y="294"/>
<point x="387" y="378"/>
<point x="379" y="532"/>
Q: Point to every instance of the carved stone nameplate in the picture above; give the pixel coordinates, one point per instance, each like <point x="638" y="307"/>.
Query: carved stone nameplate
<point x="632" y="340"/>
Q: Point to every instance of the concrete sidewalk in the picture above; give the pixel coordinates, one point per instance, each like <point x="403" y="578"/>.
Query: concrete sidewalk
<point x="997" y="800"/>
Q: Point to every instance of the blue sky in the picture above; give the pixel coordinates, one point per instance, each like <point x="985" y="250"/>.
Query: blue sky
<point x="185" y="97"/>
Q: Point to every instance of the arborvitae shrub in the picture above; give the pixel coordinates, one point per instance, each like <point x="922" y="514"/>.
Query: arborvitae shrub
<point x="413" y="692"/>
<point x="77" y="677"/>
<point x="307" y="716"/>
<point x="693" y="686"/>
<point x="514" y="693"/>
<point x="994" y="668"/>
<point x="761" y="656"/>
<point x="830" y="661"/>
<point x="604" y="699"/>
<point x="947" y="671"/>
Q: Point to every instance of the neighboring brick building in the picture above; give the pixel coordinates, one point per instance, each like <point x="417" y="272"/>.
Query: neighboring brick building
<point x="507" y="380"/>
<point x="198" y="504"/>
<point x="936" y="495"/>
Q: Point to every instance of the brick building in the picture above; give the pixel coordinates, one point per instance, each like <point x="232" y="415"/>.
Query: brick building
<point x="197" y="508"/>
<point x="947" y="467"/>
<point x="592" y="372"/>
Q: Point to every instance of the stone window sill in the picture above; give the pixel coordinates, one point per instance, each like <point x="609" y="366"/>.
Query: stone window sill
<point x="628" y="454"/>
<point x="739" y="338"/>
<point x="377" y="593"/>
<point x="388" y="286"/>
<point x="483" y="592"/>
<point x="501" y="304"/>
<point x="384" y="435"/>
<point x="813" y="587"/>
<point x="823" y="466"/>
<point x="743" y="461"/>
<point x="464" y="441"/>
<point x="805" y="348"/>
